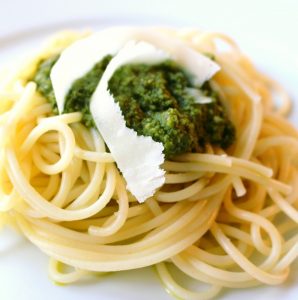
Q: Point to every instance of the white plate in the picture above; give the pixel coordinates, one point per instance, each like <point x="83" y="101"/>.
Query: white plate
<point x="23" y="268"/>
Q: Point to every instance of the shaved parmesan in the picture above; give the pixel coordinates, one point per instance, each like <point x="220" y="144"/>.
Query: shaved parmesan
<point x="138" y="157"/>
<point x="199" y="96"/>
<point x="76" y="60"/>
<point x="199" y="66"/>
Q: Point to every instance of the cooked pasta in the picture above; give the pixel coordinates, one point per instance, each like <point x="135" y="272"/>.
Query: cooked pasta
<point x="226" y="218"/>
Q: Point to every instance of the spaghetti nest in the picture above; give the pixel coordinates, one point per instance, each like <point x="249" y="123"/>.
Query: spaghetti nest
<point x="226" y="219"/>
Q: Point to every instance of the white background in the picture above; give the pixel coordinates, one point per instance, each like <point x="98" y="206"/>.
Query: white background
<point x="266" y="30"/>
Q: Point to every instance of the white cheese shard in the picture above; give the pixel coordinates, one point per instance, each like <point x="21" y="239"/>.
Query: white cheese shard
<point x="138" y="157"/>
<point x="199" y="96"/>
<point x="77" y="59"/>
<point x="201" y="68"/>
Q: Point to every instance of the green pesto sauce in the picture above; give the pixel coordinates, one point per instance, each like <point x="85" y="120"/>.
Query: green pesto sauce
<point x="154" y="101"/>
<point x="43" y="81"/>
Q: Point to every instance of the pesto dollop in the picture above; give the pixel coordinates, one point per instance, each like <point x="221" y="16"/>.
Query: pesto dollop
<point x="155" y="101"/>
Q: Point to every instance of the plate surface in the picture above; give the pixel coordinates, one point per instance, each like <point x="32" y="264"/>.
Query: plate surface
<point x="267" y="35"/>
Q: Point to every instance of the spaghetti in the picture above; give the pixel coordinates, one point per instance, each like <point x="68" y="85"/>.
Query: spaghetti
<point x="227" y="219"/>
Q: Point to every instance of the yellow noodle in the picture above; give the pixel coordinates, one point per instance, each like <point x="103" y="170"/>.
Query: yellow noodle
<point x="226" y="219"/>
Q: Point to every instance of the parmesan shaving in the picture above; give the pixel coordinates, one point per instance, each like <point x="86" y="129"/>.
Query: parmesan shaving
<point x="138" y="157"/>
<point x="199" y="96"/>
<point x="76" y="60"/>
